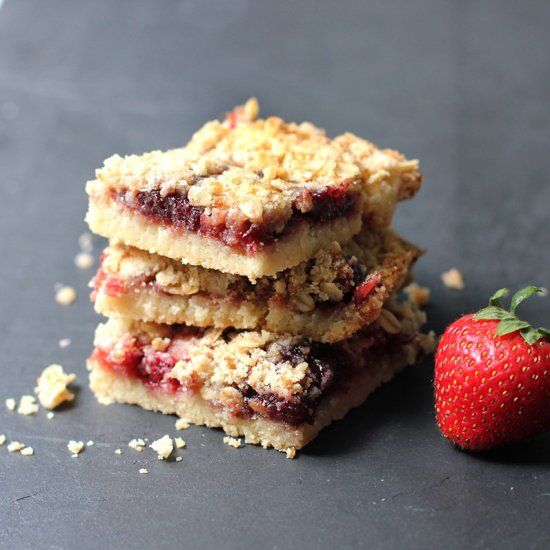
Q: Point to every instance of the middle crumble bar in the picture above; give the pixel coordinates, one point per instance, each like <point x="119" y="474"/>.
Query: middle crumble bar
<point x="249" y="196"/>
<point x="327" y="298"/>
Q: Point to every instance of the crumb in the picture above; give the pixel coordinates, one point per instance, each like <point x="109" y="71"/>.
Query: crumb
<point x="65" y="295"/>
<point x="64" y="343"/>
<point x="137" y="444"/>
<point x="543" y="291"/>
<point x="179" y="459"/>
<point x="76" y="447"/>
<point x="52" y="386"/>
<point x="10" y="404"/>
<point x="453" y="279"/>
<point x="419" y="295"/>
<point x="232" y="441"/>
<point x="118" y="452"/>
<point x="290" y="452"/>
<point x="2" y="439"/>
<point x="85" y="242"/>
<point x="84" y="260"/>
<point x="27" y="451"/>
<point x="90" y="443"/>
<point x="163" y="446"/>
<point x="15" y="446"/>
<point x="182" y="424"/>
<point x="50" y="415"/>
<point x="180" y="443"/>
<point x="143" y="471"/>
<point x="27" y="405"/>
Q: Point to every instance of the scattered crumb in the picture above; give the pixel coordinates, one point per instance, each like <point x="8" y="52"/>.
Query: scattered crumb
<point x="420" y="295"/>
<point x="27" y="451"/>
<point x="76" y="447"/>
<point x="50" y="415"/>
<point x="15" y="446"/>
<point x="118" y="452"/>
<point x="27" y="405"/>
<point x="232" y="442"/>
<point x="290" y="452"/>
<point x="85" y="242"/>
<point x="163" y="446"/>
<point x="137" y="444"/>
<point x="65" y="295"/>
<point x="89" y="443"/>
<point x="180" y="443"/>
<point x="453" y="279"/>
<point x="2" y="439"/>
<point x="52" y="386"/>
<point x="182" y="424"/>
<point x="84" y="260"/>
<point x="143" y="471"/>
<point x="10" y="404"/>
<point x="179" y="459"/>
<point x="64" y="343"/>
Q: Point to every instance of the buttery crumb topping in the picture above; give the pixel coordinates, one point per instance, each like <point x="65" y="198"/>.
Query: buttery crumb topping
<point x="27" y="405"/>
<point x="163" y="447"/>
<point x="52" y="386"/>
<point x="15" y="446"/>
<point x="254" y="168"/>
<point x="75" y="447"/>
<point x="137" y="444"/>
<point x="453" y="279"/>
<point x="232" y="442"/>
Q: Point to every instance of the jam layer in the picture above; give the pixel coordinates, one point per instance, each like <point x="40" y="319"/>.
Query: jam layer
<point x="175" y="210"/>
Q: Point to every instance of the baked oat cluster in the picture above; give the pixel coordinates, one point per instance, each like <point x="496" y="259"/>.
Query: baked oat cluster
<point x="251" y="278"/>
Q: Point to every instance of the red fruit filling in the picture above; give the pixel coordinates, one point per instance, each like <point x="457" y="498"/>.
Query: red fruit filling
<point x="175" y="210"/>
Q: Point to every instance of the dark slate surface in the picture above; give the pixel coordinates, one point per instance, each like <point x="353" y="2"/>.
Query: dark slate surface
<point x="464" y="86"/>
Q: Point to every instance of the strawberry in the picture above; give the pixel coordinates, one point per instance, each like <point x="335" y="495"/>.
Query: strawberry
<point x="492" y="377"/>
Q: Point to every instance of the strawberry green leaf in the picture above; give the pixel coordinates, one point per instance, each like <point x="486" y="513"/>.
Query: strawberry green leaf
<point x="495" y="299"/>
<point x="545" y="332"/>
<point x="531" y="335"/>
<point x="511" y="324"/>
<point x="491" y="312"/>
<point x="522" y="295"/>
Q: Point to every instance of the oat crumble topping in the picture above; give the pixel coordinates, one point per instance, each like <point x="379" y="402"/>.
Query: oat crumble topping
<point x="179" y="459"/>
<point x="64" y="343"/>
<point x="290" y="452"/>
<point x="2" y="439"/>
<point x="50" y="415"/>
<point x="143" y="471"/>
<point x="52" y="386"/>
<point x="180" y="443"/>
<point x="11" y="404"/>
<point x="27" y="451"/>
<point x="118" y="452"/>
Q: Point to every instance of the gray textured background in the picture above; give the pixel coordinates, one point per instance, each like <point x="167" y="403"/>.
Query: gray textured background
<point x="462" y="85"/>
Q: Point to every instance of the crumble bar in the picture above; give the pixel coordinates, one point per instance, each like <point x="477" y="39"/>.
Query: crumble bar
<point x="327" y="298"/>
<point x="249" y="196"/>
<point x="276" y="390"/>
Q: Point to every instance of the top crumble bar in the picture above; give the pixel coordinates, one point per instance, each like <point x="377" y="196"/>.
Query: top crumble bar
<point x="249" y="196"/>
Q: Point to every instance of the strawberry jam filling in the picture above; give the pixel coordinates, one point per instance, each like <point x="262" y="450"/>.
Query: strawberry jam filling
<point x="243" y="235"/>
<point x="133" y="358"/>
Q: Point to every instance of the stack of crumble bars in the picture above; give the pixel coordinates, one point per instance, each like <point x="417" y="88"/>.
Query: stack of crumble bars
<point x="251" y="276"/>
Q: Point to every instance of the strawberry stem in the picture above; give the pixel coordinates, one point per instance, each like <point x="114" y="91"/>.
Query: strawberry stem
<point x="509" y="322"/>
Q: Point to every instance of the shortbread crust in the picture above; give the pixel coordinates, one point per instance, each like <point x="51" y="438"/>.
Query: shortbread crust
<point x="325" y="298"/>
<point x="278" y="391"/>
<point x="249" y="196"/>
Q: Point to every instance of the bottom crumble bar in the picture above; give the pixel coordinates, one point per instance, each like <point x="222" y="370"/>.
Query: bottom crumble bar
<point x="277" y="391"/>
